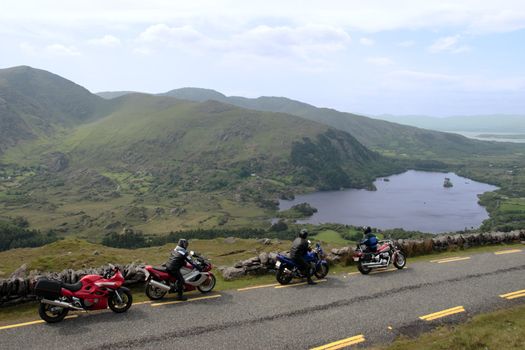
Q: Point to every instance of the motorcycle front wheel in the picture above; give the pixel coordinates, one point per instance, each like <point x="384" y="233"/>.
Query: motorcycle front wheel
<point x="400" y="261"/>
<point x="283" y="277"/>
<point x="122" y="305"/>
<point x="321" y="271"/>
<point x="208" y="285"/>
<point x="51" y="313"/>
<point x="154" y="293"/>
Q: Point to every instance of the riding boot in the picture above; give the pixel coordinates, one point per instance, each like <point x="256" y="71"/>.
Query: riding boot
<point x="181" y="297"/>
<point x="180" y="290"/>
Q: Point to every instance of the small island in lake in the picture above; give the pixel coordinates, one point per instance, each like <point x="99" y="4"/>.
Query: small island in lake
<point x="447" y="183"/>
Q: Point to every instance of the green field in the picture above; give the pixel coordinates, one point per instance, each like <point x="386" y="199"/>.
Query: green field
<point x="499" y="330"/>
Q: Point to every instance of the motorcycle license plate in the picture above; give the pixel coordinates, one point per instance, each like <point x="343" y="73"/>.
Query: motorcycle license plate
<point x="356" y="259"/>
<point x="277" y="264"/>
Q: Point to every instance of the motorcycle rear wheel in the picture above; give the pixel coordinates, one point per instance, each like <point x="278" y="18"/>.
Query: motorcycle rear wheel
<point x="119" y="307"/>
<point x="321" y="271"/>
<point x="154" y="293"/>
<point x="363" y="269"/>
<point x="400" y="260"/>
<point x="282" y="277"/>
<point x="208" y="285"/>
<point x="51" y="313"/>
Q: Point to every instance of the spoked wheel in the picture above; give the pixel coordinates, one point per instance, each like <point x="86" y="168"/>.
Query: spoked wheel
<point x="400" y="261"/>
<point x="51" y="313"/>
<point x="154" y="293"/>
<point x="321" y="271"/>
<point x="283" y="277"/>
<point x="208" y="285"/>
<point x="363" y="269"/>
<point x="122" y="305"/>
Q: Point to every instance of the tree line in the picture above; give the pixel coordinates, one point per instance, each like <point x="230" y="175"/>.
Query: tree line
<point x="14" y="233"/>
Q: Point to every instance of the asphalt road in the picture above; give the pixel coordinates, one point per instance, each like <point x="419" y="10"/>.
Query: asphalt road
<point x="359" y="310"/>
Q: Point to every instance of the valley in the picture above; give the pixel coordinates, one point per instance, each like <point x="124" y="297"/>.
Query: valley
<point x="194" y="158"/>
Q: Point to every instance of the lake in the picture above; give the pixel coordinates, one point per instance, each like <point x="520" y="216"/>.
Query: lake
<point x="414" y="200"/>
<point x="516" y="137"/>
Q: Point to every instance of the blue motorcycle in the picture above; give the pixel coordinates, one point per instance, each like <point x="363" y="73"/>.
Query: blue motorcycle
<point x="287" y="269"/>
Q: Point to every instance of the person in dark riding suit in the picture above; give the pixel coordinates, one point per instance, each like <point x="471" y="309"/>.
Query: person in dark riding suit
<point x="370" y="240"/>
<point x="299" y="249"/>
<point x="178" y="258"/>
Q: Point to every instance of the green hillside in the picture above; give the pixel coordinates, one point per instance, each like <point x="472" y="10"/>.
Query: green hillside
<point x="109" y="95"/>
<point x="386" y="137"/>
<point x="169" y="137"/>
<point x="35" y="103"/>
<point x="160" y="163"/>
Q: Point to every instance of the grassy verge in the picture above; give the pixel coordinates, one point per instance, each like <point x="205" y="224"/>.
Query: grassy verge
<point x="502" y="330"/>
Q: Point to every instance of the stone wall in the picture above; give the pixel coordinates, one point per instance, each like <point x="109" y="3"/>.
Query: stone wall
<point x="19" y="287"/>
<point x="265" y="262"/>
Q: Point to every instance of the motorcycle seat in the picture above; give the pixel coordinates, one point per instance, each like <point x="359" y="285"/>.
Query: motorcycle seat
<point x="160" y="268"/>
<point x="72" y="287"/>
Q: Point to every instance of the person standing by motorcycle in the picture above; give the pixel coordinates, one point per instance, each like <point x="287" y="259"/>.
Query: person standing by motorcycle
<point x="179" y="256"/>
<point x="300" y="247"/>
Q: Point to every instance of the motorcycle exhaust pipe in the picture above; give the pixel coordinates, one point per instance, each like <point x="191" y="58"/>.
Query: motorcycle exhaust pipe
<point x="374" y="265"/>
<point x="61" y="304"/>
<point x="159" y="285"/>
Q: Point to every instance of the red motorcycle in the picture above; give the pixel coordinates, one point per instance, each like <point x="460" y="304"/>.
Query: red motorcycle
<point x="92" y="292"/>
<point x="196" y="276"/>
<point x="387" y="253"/>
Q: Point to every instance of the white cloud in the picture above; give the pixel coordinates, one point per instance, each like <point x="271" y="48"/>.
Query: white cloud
<point x="174" y="35"/>
<point x="302" y="41"/>
<point x="106" y="40"/>
<point x="448" y="44"/>
<point x="142" y="51"/>
<point x="62" y="50"/>
<point x="407" y="43"/>
<point x="380" y="61"/>
<point x="367" y="42"/>
<point x="368" y="16"/>
<point x="27" y="48"/>
<point x="263" y="41"/>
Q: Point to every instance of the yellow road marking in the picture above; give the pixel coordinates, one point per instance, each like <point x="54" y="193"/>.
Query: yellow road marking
<point x="353" y="273"/>
<point x="457" y="258"/>
<point x="342" y="343"/>
<point x="447" y="312"/>
<point x="508" y="251"/>
<point x="453" y="257"/>
<point x="514" y="295"/>
<point x="183" y="301"/>
<point x="257" y="287"/>
<point x="30" y="323"/>
<point x="296" y="284"/>
<point x="142" y="302"/>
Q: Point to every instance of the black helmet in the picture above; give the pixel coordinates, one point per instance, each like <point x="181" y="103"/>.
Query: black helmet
<point x="303" y="233"/>
<point x="183" y="243"/>
<point x="367" y="229"/>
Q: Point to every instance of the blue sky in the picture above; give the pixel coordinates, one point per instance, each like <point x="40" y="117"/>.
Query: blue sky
<point x="373" y="57"/>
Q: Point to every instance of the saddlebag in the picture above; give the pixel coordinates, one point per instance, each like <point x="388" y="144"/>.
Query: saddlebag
<point x="48" y="289"/>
